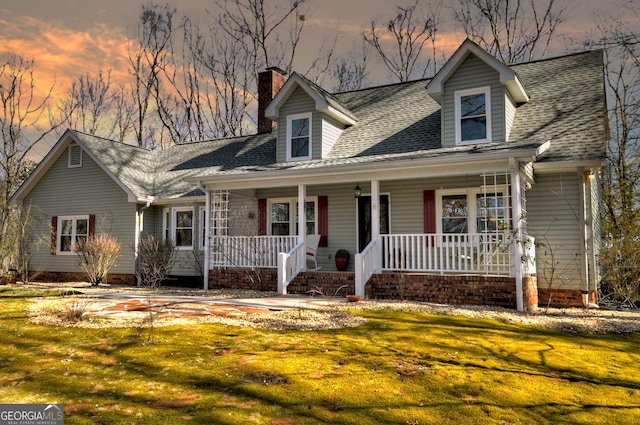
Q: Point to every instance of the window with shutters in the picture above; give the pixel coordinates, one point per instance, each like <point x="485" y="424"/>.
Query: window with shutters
<point x="75" y="156"/>
<point x="70" y="231"/>
<point x="472" y="210"/>
<point x="283" y="215"/>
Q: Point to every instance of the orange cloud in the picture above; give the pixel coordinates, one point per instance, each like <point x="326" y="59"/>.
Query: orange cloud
<point x="63" y="54"/>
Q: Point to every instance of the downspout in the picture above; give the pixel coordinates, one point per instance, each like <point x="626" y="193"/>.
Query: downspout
<point x="207" y="208"/>
<point x="139" y="228"/>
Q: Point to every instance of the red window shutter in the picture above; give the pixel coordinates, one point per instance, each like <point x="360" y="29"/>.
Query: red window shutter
<point x="92" y="225"/>
<point x="262" y="217"/>
<point x="54" y="235"/>
<point x="429" y="204"/>
<point x="323" y="220"/>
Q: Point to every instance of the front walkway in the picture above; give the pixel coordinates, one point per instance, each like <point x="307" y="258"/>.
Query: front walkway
<point x="126" y="302"/>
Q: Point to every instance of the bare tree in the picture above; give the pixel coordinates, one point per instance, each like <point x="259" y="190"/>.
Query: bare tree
<point x="410" y="33"/>
<point x="147" y="59"/>
<point x="352" y="72"/>
<point x="513" y="31"/>
<point x="95" y="106"/>
<point x="621" y="174"/>
<point x="23" y="110"/>
<point x="261" y="31"/>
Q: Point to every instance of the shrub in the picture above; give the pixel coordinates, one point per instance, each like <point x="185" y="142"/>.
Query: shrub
<point x="156" y="258"/>
<point x="75" y="309"/>
<point x="97" y="255"/>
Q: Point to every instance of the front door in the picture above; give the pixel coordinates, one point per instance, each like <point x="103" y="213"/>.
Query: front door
<point x="364" y="219"/>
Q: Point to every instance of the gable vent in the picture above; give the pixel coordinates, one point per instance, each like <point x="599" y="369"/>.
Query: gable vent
<point x="75" y="156"/>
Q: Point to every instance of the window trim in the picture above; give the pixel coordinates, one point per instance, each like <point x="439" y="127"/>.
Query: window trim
<point x="202" y="237"/>
<point x="472" y="206"/>
<point x="290" y="118"/>
<point x="74" y="219"/>
<point x="174" y="228"/>
<point x="293" y="210"/>
<point x="458" y="114"/>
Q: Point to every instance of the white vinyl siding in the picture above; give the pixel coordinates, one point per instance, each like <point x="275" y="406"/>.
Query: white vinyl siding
<point x="331" y="131"/>
<point x="509" y="115"/>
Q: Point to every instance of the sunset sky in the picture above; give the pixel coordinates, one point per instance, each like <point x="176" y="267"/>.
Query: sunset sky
<point x="70" y="38"/>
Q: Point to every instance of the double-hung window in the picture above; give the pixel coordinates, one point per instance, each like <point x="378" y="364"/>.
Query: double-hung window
<point x="473" y="115"/>
<point x="179" y="225"/>
<point x="183" y="227"/>
<point x="472" y="211"/>
<point x="284" y="216"/>
<point x="71" y="230"/>
<point x="299" y="136"/>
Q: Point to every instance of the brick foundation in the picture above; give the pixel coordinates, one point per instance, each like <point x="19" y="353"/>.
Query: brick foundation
<point x="306" y="282"/>
<point x="330" y="284"/>
<point x="564" y="297"/>
<point x="265" y="280"/>
<point x="112" y="278"/>
<point x="444" y="289"/>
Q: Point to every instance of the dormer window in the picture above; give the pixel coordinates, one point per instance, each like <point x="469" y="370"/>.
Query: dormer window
<point x="473" y="116"/>
<point x="299" y="136"/>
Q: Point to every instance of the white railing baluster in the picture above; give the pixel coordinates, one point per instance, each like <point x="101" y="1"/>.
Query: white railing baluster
<point x="479" y="253"/>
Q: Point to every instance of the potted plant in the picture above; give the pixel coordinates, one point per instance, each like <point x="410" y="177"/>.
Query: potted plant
<point x="342" y="259"/>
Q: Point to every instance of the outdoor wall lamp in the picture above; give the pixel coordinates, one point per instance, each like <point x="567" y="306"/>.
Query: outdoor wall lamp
<point x="357" y="192"/>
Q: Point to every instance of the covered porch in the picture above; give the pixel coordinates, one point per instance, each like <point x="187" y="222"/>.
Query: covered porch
<point x="492" y="244"/>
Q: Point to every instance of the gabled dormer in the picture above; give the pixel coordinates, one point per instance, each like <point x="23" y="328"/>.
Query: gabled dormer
<point x="310" y="120"/>
<point x="478" y="95"/>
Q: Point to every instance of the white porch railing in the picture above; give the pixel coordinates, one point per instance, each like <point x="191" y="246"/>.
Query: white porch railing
<point x="479" y="253"/>
<point x="249" y="251"/>
<point x="289" y="265"/>
<point x="366" y="264"/>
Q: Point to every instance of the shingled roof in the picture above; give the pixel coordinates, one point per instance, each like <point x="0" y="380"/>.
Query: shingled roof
<point x="394" y="122"/>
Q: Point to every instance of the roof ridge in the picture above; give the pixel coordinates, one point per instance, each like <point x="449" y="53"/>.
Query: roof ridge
<point x="567" y="55"/>
<point x="384" y="85"/>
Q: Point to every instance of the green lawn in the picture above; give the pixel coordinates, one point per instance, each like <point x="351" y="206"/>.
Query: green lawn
<point x="400" y="368"/>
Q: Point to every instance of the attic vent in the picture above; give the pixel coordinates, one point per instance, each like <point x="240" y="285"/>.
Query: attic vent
<point x="75" y="156"/>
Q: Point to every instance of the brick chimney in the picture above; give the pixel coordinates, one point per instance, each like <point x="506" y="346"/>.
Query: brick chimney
<point x="269" y="82"/>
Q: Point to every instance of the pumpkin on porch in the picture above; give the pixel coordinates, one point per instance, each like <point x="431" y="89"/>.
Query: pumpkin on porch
<point x="342" y="259"/>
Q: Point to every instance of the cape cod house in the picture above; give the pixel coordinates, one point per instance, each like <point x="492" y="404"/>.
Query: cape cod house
<point x="480" y="185"/>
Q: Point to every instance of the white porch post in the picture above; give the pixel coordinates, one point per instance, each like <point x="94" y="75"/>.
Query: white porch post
<point x="375" y="221"/>
<point x="302" y="219"/>
<point x="207" y="241"/>
<point x="517" y="247"/>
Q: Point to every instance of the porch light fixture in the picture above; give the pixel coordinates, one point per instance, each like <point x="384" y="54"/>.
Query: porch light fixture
<point x="357" y="192"/>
